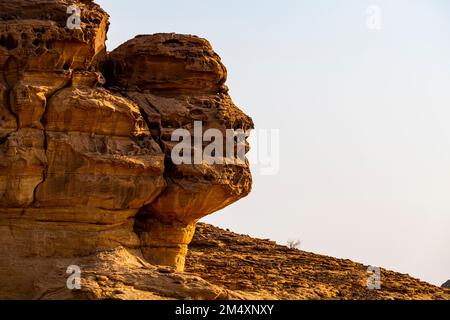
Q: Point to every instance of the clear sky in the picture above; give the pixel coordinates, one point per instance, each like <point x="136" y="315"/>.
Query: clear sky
<point x="364" y="119"/>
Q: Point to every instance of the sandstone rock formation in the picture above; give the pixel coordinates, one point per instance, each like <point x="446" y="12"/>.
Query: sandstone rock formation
<point x="86" y="174"/>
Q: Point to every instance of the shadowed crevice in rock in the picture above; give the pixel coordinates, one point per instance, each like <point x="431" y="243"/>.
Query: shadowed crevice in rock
<point x="42" y="120"/>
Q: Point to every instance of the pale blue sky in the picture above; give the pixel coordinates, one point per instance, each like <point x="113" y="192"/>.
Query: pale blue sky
<point x="363" y="118"/>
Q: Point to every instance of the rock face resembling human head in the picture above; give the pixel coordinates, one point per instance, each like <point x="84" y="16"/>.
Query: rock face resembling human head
<point x="86" y="137"/>
<point x="178" y="83"/>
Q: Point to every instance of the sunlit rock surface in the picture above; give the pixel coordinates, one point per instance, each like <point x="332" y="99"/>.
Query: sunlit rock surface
<point x="86" y="176"/>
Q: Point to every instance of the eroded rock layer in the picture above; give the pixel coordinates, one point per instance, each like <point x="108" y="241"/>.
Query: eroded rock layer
<point x="85" y="144"/>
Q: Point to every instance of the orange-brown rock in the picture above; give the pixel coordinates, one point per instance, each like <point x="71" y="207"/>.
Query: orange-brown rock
<point x="167" y="63"/>
<point x="87" y="178"/>
<point x="262" y="269"/>
<point x="34" y="37"/>
<point x="86" y="175"/>
<point x="220" y="265"/>
<point x="177" y="80"/>
<point x="22" y="161"/>
<point x="446" y="285"/>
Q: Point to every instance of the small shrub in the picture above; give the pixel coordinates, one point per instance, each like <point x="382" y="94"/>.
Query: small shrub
<point x="294" y="244"/>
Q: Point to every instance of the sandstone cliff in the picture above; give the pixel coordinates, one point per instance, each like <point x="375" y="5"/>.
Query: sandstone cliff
<point x="87" y="179"/>
<point x="86" y="175"/>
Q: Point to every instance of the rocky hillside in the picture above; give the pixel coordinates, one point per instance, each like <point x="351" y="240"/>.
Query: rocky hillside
<point x="93" y="204"/>
<point x="264" y="270"/>
<point x="228" y="266"/>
